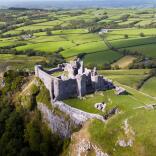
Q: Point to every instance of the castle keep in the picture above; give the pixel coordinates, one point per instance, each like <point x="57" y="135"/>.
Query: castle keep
<point x="72" y="80"/>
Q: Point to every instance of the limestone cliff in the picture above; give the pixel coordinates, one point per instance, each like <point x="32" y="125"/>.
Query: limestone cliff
<point x="35" y="94"/>
<point x="58" y="123"/>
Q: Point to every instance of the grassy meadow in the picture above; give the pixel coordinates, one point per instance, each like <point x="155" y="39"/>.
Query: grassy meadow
<point x="149" y="87"/>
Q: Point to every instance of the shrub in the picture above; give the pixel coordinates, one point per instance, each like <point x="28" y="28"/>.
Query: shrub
<point x="126" y="36"/>
<point x="142" y="34"/>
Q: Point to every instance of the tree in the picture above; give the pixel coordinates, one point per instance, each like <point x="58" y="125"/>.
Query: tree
<point x="142" y="34"/>
<point x="49" y="33"/>
<point x="107" y="66"/>
<point x="33" y="136"/>
<point x="116" y="67"/>
<point x="126" y="36"/>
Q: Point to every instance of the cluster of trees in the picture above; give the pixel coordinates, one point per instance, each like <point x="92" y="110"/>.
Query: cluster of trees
<point x="53" y="60"/>
<point x="124" y="17"/>
<point x="96" y="27"/>
<point x="13" y="81"/>
<point x="23" y="132"/>
<point x="143" y="63"/>
<point x="21" y="9"/>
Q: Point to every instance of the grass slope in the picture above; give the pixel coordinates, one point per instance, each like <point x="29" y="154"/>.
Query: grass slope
<point x="150" y="87"/>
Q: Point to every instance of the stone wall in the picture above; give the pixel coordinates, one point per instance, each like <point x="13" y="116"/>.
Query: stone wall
<point x="59" y="123"/>
<point x="77" y="115"/>
<point x="81" y="85"/>
<point x="53" y="70"/>
<point x="65" y="89"/>
<point x="45" y="77"/>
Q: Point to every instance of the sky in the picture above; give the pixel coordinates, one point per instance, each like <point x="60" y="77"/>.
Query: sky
<point x="27" y="0"/>
<point x="38" y="0"/>
<point x="48" y="3"/>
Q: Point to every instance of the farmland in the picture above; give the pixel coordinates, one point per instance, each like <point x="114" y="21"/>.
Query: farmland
<point x="120" y="43"/>
<point x="74" y="35"/>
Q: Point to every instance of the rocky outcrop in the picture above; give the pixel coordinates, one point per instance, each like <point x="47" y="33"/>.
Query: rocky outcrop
<point x="81" y="144"/>
<point x="85" y="145"/>
<point x="127" y="140"/>
<point x="60" y="124"/>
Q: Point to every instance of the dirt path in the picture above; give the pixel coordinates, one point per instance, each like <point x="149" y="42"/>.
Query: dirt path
<point x="27" y="85"/>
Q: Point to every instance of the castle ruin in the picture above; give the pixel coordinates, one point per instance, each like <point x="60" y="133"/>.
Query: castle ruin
<point x="70" y="80"/>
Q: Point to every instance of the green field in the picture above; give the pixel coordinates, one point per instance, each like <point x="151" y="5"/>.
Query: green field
<point x="18" y="61"/>
<point x="91" y="47"/>
<point x="148" y="50"/>
<point x="103" y="57"/>
<point x="6" y="43"/>
<point x="49" y="47"/>
<point x="149" y="87"/>
<point x="134" y="31"/>
<point x="126" y="77"/>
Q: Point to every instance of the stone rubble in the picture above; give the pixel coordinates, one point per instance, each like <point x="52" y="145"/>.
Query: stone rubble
<point x="100" y="106"/>
<point x="148" y="107"/>
<point x="120" y="91"/>
<point x="129" y="134"/>
<point x="85" y="145"/>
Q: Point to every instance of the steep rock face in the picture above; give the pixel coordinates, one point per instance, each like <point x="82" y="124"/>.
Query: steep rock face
<point x="58" y="123"/>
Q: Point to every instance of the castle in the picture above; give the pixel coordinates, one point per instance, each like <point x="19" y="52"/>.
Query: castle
<point x="70" y="80"/>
